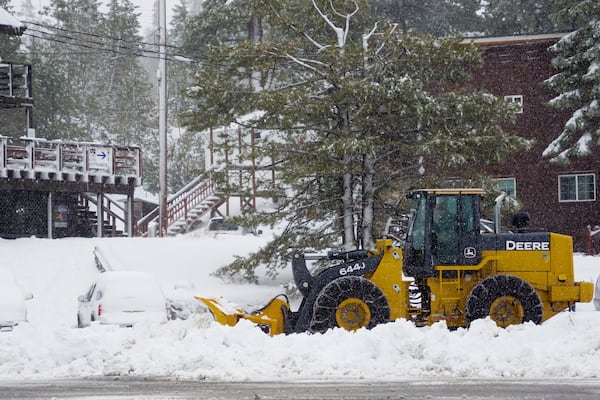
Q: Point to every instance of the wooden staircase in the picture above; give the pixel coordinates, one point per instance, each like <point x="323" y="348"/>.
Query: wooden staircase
<point x="102" y="217"/>
<point x="185" y="208"/>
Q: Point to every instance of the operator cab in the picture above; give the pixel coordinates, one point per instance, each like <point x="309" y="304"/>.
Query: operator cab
<point x="443" y="229"/>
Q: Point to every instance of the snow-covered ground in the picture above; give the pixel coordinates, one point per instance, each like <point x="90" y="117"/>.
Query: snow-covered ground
<point x="57" y="271"/>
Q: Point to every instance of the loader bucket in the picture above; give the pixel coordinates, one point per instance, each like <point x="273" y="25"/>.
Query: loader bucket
<point x="217" y="311"/>
<point x="271" y="318"/>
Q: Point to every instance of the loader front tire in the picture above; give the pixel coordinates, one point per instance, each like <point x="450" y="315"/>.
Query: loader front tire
<point x="350" y="302"/>
<point x="506" y="299"/>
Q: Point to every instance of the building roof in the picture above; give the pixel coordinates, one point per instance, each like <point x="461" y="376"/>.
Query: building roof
<point x="451" y="191"/>
<point x="10" y="25"/>
<point x="518" y="39"/>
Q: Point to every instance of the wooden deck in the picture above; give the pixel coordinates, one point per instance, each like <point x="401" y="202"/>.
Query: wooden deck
<point x="56" y="188"/>
<point x="31" y="163"/>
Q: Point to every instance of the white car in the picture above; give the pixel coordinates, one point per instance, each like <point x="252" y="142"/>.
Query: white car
<point x="596" y="300"/>
<point x="123" y="298"/>
<point x="13" y="308"/>
<point x="220" y="225"/>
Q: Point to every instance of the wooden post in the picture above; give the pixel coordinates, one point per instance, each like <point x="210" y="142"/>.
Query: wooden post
<point x="99" y="214"/>
<point x="273" y="175"/>
<point x="589" y="248"/>
<point x="211" y="147"/>
<point x="29" y="108"/>
<point x="50" y="221"/>
<point x="227" y="175"/>
<point x="129" y="216"/>
<point x="253" y="144"/>
<point x="240" y="171"/>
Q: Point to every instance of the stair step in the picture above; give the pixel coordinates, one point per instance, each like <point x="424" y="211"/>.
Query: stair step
<point x="205" y="205"/>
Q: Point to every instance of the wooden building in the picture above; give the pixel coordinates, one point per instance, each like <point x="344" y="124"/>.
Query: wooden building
<point x="9" y="25"/>
<point x="559" y="198"/>
<point x="59" y="188"/>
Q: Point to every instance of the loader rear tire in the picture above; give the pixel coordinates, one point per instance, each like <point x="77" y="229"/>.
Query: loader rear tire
<point x="506" y="299"/>
<point x="350" y="302"/>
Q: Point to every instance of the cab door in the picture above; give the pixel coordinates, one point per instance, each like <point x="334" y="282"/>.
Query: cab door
<point x="455" y="232"/>
<point x="469" y="230"/>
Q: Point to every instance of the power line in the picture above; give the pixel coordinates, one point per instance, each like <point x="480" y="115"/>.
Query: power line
<point x="77" y="40"/>
<point x="131" y="44"/>
<point x="95" y="35"/>
<point x="132" y="48"/>
<point x="98" y="48"/>
<point x="97" y="43"/>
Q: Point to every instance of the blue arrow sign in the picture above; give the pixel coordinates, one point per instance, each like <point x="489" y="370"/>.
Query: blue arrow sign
<point x="100" y="158"/>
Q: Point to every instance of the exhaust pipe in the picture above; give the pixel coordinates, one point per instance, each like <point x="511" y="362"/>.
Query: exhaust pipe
<point x="497" y="204"/>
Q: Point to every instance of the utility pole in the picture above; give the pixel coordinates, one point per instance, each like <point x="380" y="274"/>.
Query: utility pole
<point x="162" y="117"/>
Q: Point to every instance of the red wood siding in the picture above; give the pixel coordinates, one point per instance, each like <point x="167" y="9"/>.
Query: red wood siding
<point x="520" y="68"/>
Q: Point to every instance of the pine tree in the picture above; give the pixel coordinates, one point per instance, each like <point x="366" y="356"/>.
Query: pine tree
<point x="215" y="22"/>
<point x="435" y="17"/>
<point x="514" y="17"/>
<point x="186" y="154"/>
<point x="357" y="111"/>
<point x="179" y="72"/>
<point x="55" y="100"/>
<point x="128" y="116"/>
<point x="79" y="51"/>
<point x="66" y="57"/>
<point x="89" y="85"/>
<point x="578" y="84"/>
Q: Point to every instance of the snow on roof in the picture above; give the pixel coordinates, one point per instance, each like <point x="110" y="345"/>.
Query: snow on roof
<point x="9" y="24"/>
<point x="516" y="39"/>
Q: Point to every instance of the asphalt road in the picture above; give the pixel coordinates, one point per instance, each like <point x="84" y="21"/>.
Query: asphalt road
<point x="160" y="388"/>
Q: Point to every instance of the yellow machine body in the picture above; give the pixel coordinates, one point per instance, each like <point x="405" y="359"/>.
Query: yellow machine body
<point x="270" y="318"/>
<point x="509" y="277"/>
<point x="549" y="272"/>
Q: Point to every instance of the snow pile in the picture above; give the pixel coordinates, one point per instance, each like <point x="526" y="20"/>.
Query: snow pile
<point x="57" y="271"/>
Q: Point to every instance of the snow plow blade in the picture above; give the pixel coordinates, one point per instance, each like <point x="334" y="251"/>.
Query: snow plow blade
<point x="271" y="318"/>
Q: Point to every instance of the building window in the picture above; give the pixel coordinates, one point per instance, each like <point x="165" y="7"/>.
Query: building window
<point x="517" y="100"/>
<point x="580" y="187"/>
<point x="508" y="186"/>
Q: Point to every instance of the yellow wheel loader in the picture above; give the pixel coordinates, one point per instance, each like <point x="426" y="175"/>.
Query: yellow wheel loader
<point x="448" y="269"/>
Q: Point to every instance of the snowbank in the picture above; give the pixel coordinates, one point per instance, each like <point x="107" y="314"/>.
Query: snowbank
<point x="57" y="271"/>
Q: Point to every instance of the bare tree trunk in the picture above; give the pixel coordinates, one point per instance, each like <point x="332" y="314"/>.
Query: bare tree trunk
<point x="368" y="195"/>
<point x="348" y="213"/>
<point x="255" y="31"/>
<point x="255" y="34"/>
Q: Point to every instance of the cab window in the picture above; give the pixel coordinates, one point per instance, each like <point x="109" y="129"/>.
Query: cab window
<point x="416" y="227"/>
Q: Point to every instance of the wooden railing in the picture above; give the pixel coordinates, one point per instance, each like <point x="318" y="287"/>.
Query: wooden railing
<point x="110" y="213"/>
<point x="33" y="158"/>
<point x="180" y="204"/>
<point x="592" y="240"/>
<point x="15" y="81"/>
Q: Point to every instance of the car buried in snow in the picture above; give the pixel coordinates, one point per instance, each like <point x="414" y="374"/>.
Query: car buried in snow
<point x="123" y="298"/>
<point x="220" y="225"/>
<point x="13" y="306"/>
<point x="596" y="300"/>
